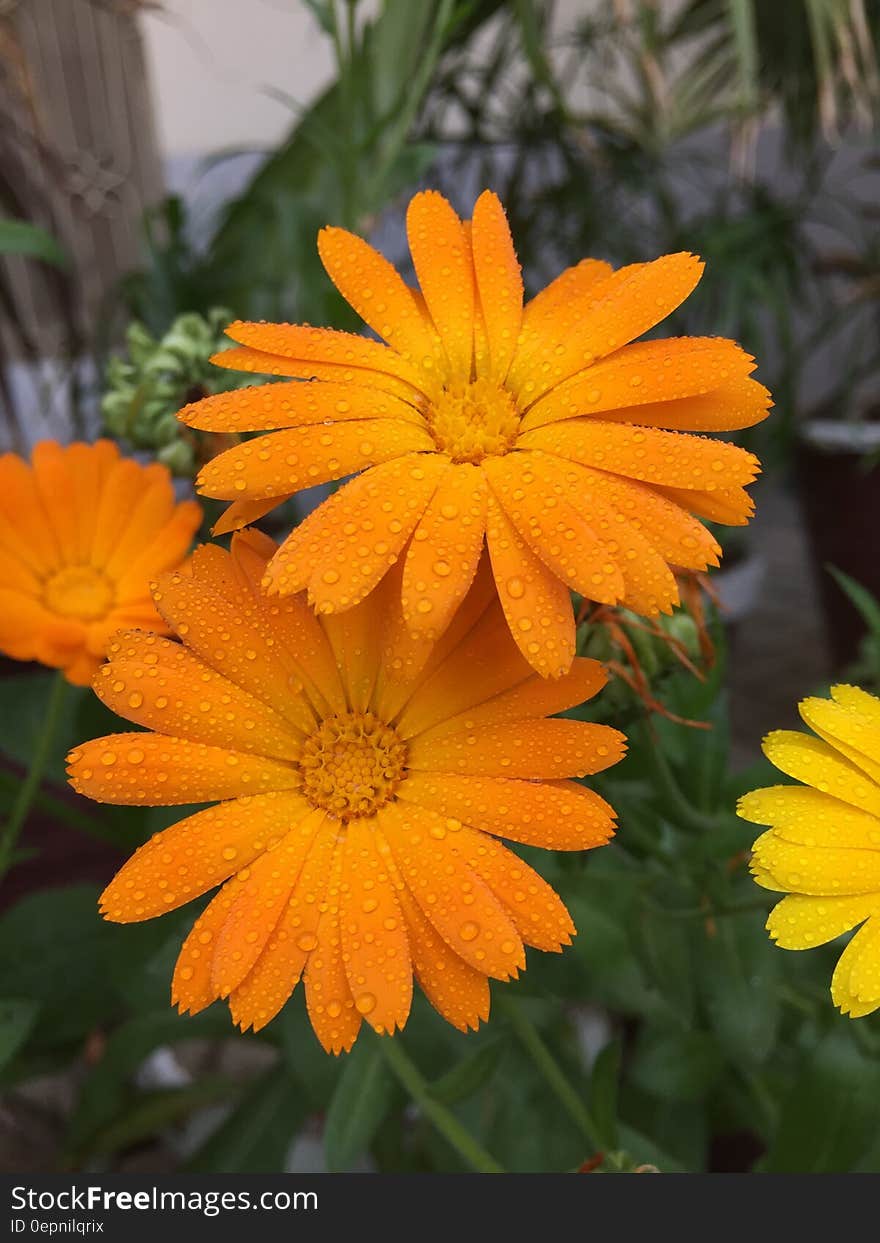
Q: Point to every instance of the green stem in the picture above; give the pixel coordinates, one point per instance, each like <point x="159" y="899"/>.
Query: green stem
<point x="29" y="788"/>
<point x="555" y="1077"/>
<point x="679" y="807"/>
<point x="446" y="1123"/>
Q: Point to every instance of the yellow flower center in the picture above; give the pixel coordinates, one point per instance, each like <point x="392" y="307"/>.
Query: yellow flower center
<point x="79" y="591"/>
<point x="474" y="421"/>
<point x="352" y="764"/>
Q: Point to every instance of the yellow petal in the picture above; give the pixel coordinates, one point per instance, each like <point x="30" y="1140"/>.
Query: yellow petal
<point x="799" y="921"/>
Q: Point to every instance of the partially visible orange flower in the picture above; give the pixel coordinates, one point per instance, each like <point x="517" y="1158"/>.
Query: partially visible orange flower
<point x="541" y="428"/>
<point x="82" y="532"/>
<point x="361" y="795"/>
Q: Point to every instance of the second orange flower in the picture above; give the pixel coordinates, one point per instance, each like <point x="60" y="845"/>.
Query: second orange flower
<point x="544" y="430"/>
<point x="360" y="792"/>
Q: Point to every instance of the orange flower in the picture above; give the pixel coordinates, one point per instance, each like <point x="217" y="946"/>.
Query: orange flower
<point x="82" y="531"/>
<point x="539" y="427"/>
<point x="358" y="813"/>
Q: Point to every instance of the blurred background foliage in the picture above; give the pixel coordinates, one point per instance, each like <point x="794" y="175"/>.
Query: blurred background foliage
<point x="671" y="1034"/>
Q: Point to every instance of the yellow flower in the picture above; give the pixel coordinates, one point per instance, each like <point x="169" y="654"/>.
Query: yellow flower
<point x="823" y="849"/>
<point x="540" y="429"/>
<point x="358" y="813"/>
<point x="82" y="531"/>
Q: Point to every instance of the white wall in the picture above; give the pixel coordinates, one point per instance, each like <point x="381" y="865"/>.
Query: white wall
<point x="211" y="62"/>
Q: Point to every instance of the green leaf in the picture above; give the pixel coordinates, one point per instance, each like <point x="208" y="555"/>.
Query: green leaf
<point x="23" y="701"/>
<point x="54" y="950"/>
<point x="676" y="1066"/>
<point x="469" y="1075"/>
<point x="831" y="1115"/>
<point x="644" y="1151"/>
<point x="256" y="1137"/>
<point x="859" y="597"/>
<point x="666" y="950"/>
<point x="603" y="1093"/>
<point x="18" y="237"/>
<point x="739" y="971"/>
<point x="17" y="1017"/>
<point x="358" y="1107"/>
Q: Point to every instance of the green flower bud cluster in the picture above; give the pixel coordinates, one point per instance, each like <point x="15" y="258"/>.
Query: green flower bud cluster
<point x="655" y="655"/>
<point x="146" y="386"/>
<point x="643" y="654"/>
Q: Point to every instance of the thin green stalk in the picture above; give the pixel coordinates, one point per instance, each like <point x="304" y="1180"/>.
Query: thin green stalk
<point x="29" y="788"/>
<point x="446" y="1123"/>
<point x="688" y="816"/>
<point x="546" y="1063"/>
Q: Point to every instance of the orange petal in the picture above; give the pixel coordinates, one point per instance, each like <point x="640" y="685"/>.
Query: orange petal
<point x="531" y="698"/>
<point x="648" y="371"/>
<point x="156" y="771"/>
<point x="355" y="639"/>
<point x="259" y="906"/>
<point x="301" y="640"/>
<point x="537" y="750"/>
<point x="461" y="907"/>
<point x="445" y="550"/>
<point x="88" y="466"/>
<point x="16" y="574"/>
<point x="164" y="551"/>
<point x="148" y="511"/>
<point x="732" y="506"/>
<point x="57" y="495"/>
<point x="736" y="404"/>
<point x="268" y="407"/>
<point x="225" y="625"/>
<point x="162" y="686"/>
<point x="331" y="1007"/>
<point x="648" y="585"/>
<point x="28" y="631"/>
<point x="123" y="488"/>
<point x="499" y="281"/>
<point x="553" y="815"/>
<point x="536" y="910"/>
<point x="677" y="537"/>
<point x="375" y="289"/>
<point x="197" y="853"/>
<point x="456" y="990"/>
<point x="553" y="527"/>
<point x="442" y="260"/>
<point x="242" y="513"/>
<point x="537" y="605"/>
<point x="302" y="344"/>
<point x="24" y="525"/>
<point x="301" y="457"/>
<point x="645" y="453"/>
<point x="407" y="662"/>
<point x="345" y="547"/>
<point x="242" y="358"/>
<point x="192" y="989"/>
<point x="556" y="308"/>
<point x="482" y="665"/>
<point x="79" y="669"/>
<point x="625" y="306"/>
<point x="375" y="949"/>
<point x="277" y="971"/>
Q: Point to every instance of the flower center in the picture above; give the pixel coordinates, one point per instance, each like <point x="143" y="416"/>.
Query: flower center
<point x="473" y="421"/>
<point x="79" y="591"/>
<point x="352" y="764"/>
